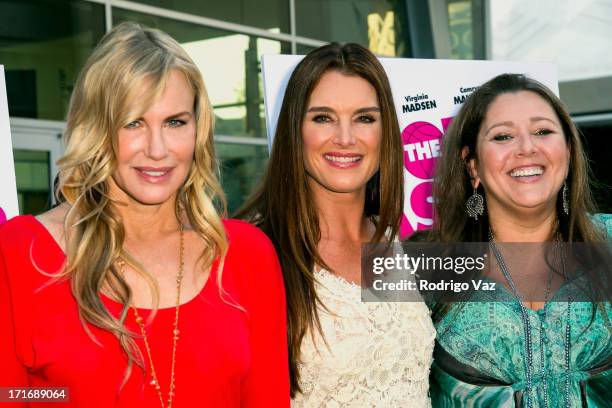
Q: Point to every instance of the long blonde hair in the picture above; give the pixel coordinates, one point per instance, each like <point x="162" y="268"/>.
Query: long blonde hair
<point x="124" y="75"/>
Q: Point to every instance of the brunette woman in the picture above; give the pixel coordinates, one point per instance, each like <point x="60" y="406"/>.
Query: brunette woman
<point x="334" y="181"/>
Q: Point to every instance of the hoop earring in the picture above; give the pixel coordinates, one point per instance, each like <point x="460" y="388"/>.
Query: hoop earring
<point x="565" y="200"/>
<point x="475" y="205"/>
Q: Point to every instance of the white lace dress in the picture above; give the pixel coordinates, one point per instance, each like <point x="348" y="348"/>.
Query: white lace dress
<point x="377" y="354"/>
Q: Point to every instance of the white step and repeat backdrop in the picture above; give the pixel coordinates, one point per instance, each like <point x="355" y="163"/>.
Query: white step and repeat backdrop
<point x="8" y="190"/>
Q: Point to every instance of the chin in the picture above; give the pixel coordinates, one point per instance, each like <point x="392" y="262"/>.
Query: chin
<point x="151" y="197"/>
<point x="534" y="205"/>
<point x="151" y="200"/>
<point x="531" y="199"/>
<point x="348" y="185"/>
<point x="341" y="184"/>
<point x="345" y="187"/>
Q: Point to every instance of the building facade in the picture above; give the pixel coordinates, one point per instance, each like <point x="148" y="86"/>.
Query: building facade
<point x="44" y="44"/>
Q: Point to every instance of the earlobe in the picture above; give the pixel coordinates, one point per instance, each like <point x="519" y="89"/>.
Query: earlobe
<point x="475" y="182"/>
<point x="470" y="165"/>
<point x="473" y="173"/>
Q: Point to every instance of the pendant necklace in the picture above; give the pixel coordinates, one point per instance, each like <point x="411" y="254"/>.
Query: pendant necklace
<point x="543" y="325"/>
<point x="175" y="332"/>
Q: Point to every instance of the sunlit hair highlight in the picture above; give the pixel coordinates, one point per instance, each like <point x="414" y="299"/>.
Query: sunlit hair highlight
<point x="124" y="76"/>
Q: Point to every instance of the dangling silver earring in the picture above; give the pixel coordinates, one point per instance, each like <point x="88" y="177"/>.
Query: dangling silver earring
<point x="475" y="205"/>
<point x="565" y="200"/>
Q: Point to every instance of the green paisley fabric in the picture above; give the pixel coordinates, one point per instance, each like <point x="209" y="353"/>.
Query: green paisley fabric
<point x="480" y="346"/>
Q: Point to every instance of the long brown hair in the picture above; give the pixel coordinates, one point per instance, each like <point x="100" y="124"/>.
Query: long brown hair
<point x="452" y="185"/>
<point x="108" y="94"/>
<point x="283" y="206"/>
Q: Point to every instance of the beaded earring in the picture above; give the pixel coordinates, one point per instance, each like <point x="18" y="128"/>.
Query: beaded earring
<point x="475" y="205"/>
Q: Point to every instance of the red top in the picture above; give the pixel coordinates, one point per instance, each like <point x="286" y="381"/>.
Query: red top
<point x="226" y="357"/>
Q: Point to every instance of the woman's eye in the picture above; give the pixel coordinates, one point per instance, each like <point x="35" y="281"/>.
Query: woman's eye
<point x="174" y="123"/>
<point x="543" y="132"/>
<point x="133" y="124"/>
<point x="321" y="119"/>
<point x="502" y="137"/>
<point x="366" y="119"/>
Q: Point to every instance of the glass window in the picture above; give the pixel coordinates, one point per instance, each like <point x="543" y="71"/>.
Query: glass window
<point x="43" y="45"/>
<point x="380" y="25"/>
<point x="242" y="167"/>
<point x="230" y="64"/>
<point x="32" y="174"/>
<point x="272" y="15"/>
<point x="574" y="35"/>
<point x="304" y="49"/>
<point x="460" y="29"/>
<point x="466" y="29"/>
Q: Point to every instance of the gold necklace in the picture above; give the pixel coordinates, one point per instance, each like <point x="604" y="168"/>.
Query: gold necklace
<point x="175" y="332"/>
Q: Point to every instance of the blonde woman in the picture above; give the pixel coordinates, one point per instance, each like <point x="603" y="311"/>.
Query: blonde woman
<point x="134" y="291"/>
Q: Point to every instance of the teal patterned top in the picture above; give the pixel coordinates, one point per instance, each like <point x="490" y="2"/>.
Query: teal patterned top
<point x="480" y="347"/>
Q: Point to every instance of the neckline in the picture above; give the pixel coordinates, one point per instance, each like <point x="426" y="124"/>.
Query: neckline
<point x="512" y="298"/>
<point x="325" y="272"/>
<point x="108" y="300"/>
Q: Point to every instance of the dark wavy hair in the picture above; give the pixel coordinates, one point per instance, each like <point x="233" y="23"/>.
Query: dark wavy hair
<point x="283" y="206"/>
<point x="452" y="185"/>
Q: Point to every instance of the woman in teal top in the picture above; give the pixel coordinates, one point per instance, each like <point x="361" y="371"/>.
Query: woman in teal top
<point x="514" y="170"/>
